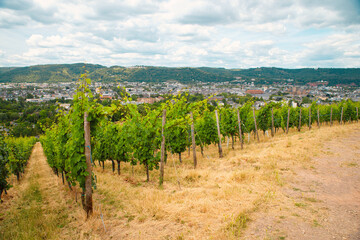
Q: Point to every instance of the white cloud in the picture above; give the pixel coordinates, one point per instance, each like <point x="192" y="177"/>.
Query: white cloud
<point x="227" y="46"/>
<point x="9" y="19"/>
<point x="223" y="33"/>
<point x="37" y="40"/>
<point x="340" y="49"/>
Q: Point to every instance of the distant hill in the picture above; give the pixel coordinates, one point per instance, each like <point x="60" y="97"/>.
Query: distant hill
<point x="157" y="74"/>
<point x="45" y="73"/>
<point x="304" y="75"/>
<point x="71" y="72"/>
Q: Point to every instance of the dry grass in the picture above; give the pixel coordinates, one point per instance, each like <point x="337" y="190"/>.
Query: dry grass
<point x="215" y="201"/>
<point x="40" y="207"/>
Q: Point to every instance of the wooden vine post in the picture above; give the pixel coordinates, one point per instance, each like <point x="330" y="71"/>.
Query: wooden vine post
<point x="193" y="139"/>
<point x="309" y="118"/>
<point x="288" y="120"/>
<point x="240" y="132"/>
<point x="219" y="135"/>
<point x="299" y="128"/>
<point x="272" y="122"/>
<point x="256" y="131"/>
<point x="189" y="144"/>
<point x="357" y="114"/>
<point x="88" y="184"/>
<point x="162" y="159"/>
<point x="342" y="112"/>
<point x="331" y="117"/>
<point x="318" y="118"/>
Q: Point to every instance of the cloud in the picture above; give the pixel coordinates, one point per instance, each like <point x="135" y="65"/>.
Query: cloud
<point x="204" y="12"/>
<point x="140" y="29"/>
<point x="190" y="34"/>
<point x="114" y="10"/>
<point x="340" y="49"/>
<point x="26" y="9"/>
<point x="348" y="12"/>
<point x="10" y="20"/>
<point x="221" y="33"/>
<point x="16" y="5"/>
<point x="208" y="15"/>
<point x="37" y="40"/>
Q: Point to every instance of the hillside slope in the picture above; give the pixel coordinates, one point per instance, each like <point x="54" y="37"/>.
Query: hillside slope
<point x="255" y="193"/>
<point x="46" y="73"/>
<point x="71" y="72"/>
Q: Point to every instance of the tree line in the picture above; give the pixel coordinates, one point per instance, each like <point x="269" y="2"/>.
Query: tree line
<point x="264" y="75"/>
<point x="25" y="118"/>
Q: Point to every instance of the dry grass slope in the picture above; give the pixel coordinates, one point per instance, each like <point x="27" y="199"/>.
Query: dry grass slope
<point x="214" y="201"/>
<point x="217" y="200"/>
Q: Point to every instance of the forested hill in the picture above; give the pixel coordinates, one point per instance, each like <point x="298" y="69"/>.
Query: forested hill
<point x="71" y="72"/>
<point x="46" y="73"/>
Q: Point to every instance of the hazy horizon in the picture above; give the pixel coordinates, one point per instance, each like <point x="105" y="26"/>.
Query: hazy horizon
<point x="109" y="66"/>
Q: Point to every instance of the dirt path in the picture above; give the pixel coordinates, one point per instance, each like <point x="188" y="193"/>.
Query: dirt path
<point x="320" y="202"/>
<point x="39" y="207"/>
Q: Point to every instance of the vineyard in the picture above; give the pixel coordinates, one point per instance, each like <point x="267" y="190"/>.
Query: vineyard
<point x="211" y="163"/>
<point x="14" y="155"/>
<point x="147" y="137"/>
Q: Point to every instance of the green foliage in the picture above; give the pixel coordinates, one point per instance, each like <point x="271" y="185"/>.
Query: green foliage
<point x="178" y="123"/>
<point x="349" y="111"/>
<point x="46" y="73"/>
<point x="206" y="130"/>
<point x="324" y="113"/>
<point x="19" y="150"/>
<point x="136" y="137"/>
<point x="177" y="138"/>
<point x="306" y="100"/>
<point x="49" y="143"/>
<point x="300" y="76"/>
<point x="228" y="122"/>
<point x="294" y="117"/>
<point x="246" y="116"/>
<point x="14" y="154"/>
<point x="25" y="118"/>
<point x="144" y="132"/>
<point x="264" y="117"/>
<point x="313" y="108"/>
<point x="111" y="142"/>
<point x="284" y="116"/>
<point x="64" y="143"/>
<point x="70" y="72"/>
<point x="99" y="150"/>
<point x="304" y="116"/>
<point x="4" y="171"/>
<point x="122" y="148"/>
<point x="75" y="164"/>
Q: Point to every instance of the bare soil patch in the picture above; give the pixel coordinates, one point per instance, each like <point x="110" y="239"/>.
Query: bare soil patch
<point x="320" y="201"/>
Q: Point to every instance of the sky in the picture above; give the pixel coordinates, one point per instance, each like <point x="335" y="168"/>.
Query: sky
<point x="181" y="33"/>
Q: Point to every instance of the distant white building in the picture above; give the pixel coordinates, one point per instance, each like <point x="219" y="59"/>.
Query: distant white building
<point x="65" y="106"/>
<point x="33" y="100"/>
